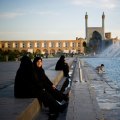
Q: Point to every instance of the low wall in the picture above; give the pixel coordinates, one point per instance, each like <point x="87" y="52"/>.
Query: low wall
<point x="24" y="109"/>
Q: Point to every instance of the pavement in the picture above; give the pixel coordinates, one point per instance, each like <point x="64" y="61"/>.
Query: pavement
<point x="91" y="98"/>
<point x="82" y="104"/>
<point x="106" y="92"/>
<point x="22" y="109"/>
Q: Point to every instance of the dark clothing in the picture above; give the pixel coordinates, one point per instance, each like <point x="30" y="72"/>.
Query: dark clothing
<point x="65" y="85"/>
<point x="24" y="80"/>
<point x="27" y="85"/>
<point x="61" y="65"/>
<point x="43" y="79"/>
<point x="47" y="85"/>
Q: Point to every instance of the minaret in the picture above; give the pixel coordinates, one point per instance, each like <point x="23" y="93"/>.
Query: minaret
<point x="86" y="24"/>
<point x="103" y="19"/>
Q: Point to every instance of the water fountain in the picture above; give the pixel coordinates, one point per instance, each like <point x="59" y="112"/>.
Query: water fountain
<point x="112" y="51"/>
<point x="109" y="101"/>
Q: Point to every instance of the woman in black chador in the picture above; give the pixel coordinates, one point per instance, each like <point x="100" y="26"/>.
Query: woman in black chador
<point x="24" y="79"/>
<point x="28" y="85"/>
<point x="46" y="84"/>
<point x="62" y="65"/>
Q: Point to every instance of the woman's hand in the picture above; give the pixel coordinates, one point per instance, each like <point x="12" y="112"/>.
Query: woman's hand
<point x="53" y="86"/>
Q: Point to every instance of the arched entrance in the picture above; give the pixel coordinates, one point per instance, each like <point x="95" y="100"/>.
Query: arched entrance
<point x="96" y="42"/>
<point x="45" y="51"/>
<point x="38" y="51"/>
<point x="59" y="51"/>
<point x="52" y="52"/>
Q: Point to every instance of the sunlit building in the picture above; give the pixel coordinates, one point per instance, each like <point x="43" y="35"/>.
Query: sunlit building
<point x="44" y="46"/>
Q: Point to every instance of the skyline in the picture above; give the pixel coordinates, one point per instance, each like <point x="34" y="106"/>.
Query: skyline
<point x="56" y="19"/>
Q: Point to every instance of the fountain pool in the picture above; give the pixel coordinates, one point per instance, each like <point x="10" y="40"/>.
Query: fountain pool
<point x="112" y="68"/>
<point x="106" y="86"/>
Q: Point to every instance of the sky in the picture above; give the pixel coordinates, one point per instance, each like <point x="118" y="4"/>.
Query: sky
<point x="56" y="19"/>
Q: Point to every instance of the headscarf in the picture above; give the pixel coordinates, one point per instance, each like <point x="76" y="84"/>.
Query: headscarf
<point x="25" y="62"/>
<point x="62" y="58"/>
<point x="35" y="61"/>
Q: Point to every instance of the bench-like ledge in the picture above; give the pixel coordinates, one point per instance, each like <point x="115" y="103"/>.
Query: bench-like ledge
<point x="24" y="109"/>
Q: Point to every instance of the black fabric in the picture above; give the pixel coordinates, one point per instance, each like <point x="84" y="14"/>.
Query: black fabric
<point x="65" y="85"/>
<point x="62" y="65"/>
<point x="46" y="83"/>
<point x="27" y="85"/>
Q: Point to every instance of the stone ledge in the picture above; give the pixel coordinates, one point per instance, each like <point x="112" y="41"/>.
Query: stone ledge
<point x="24" y="109"/>
<point x="34" y="107"/>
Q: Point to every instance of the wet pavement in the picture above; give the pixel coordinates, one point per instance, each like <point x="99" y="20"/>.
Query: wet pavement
<point x="107" y="94"/>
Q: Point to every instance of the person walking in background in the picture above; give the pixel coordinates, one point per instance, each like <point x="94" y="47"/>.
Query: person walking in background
<point x="27" y="85"/>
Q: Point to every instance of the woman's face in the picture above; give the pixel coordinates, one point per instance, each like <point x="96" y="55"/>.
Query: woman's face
<point x="39" y="63"/>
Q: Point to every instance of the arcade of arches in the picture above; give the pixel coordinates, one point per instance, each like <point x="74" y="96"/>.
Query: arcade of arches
<point x="45" y="46"/>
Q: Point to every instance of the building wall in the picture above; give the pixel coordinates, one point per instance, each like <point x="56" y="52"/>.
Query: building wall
<point x="45" y="46"/>
<point x="90" y="31"/>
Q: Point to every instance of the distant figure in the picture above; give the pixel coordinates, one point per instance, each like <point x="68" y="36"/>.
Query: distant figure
<point x="72" y="54"/>
<point x="28" y="85"/>
<point x="100" y="69"/>
<point x="62" y="65"/>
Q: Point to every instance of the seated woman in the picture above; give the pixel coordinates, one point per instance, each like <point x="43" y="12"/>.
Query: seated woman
<point x="27" y="85"/>
<point x="46" y="84"/>
<point x="62" y="65"/>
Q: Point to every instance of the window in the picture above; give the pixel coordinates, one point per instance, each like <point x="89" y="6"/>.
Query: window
<point x="59" y="44"/>
<point x="66" y="44"/>
<point x="52" y="44"/>
<point x="73" y="44"/>
<point x="31" y="45"/>
<point x="38" y="44"/>
<point x="8" y="45"/>
<point x="16" y="45"/>
<point x="24" y="45"/>
<point x="2" y="45"/>
<point x="78" y="44"/>
<point x="45" y="44"/>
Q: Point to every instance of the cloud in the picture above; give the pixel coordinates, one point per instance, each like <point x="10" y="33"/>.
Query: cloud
<point x="106" y="4"/>
<point x="81" y="2"/>
<point x="109" y="4"/>
<point x="10" y="15"/>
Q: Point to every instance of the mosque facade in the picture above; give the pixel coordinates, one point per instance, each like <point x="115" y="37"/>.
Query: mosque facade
<point x="96" y="37"/>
